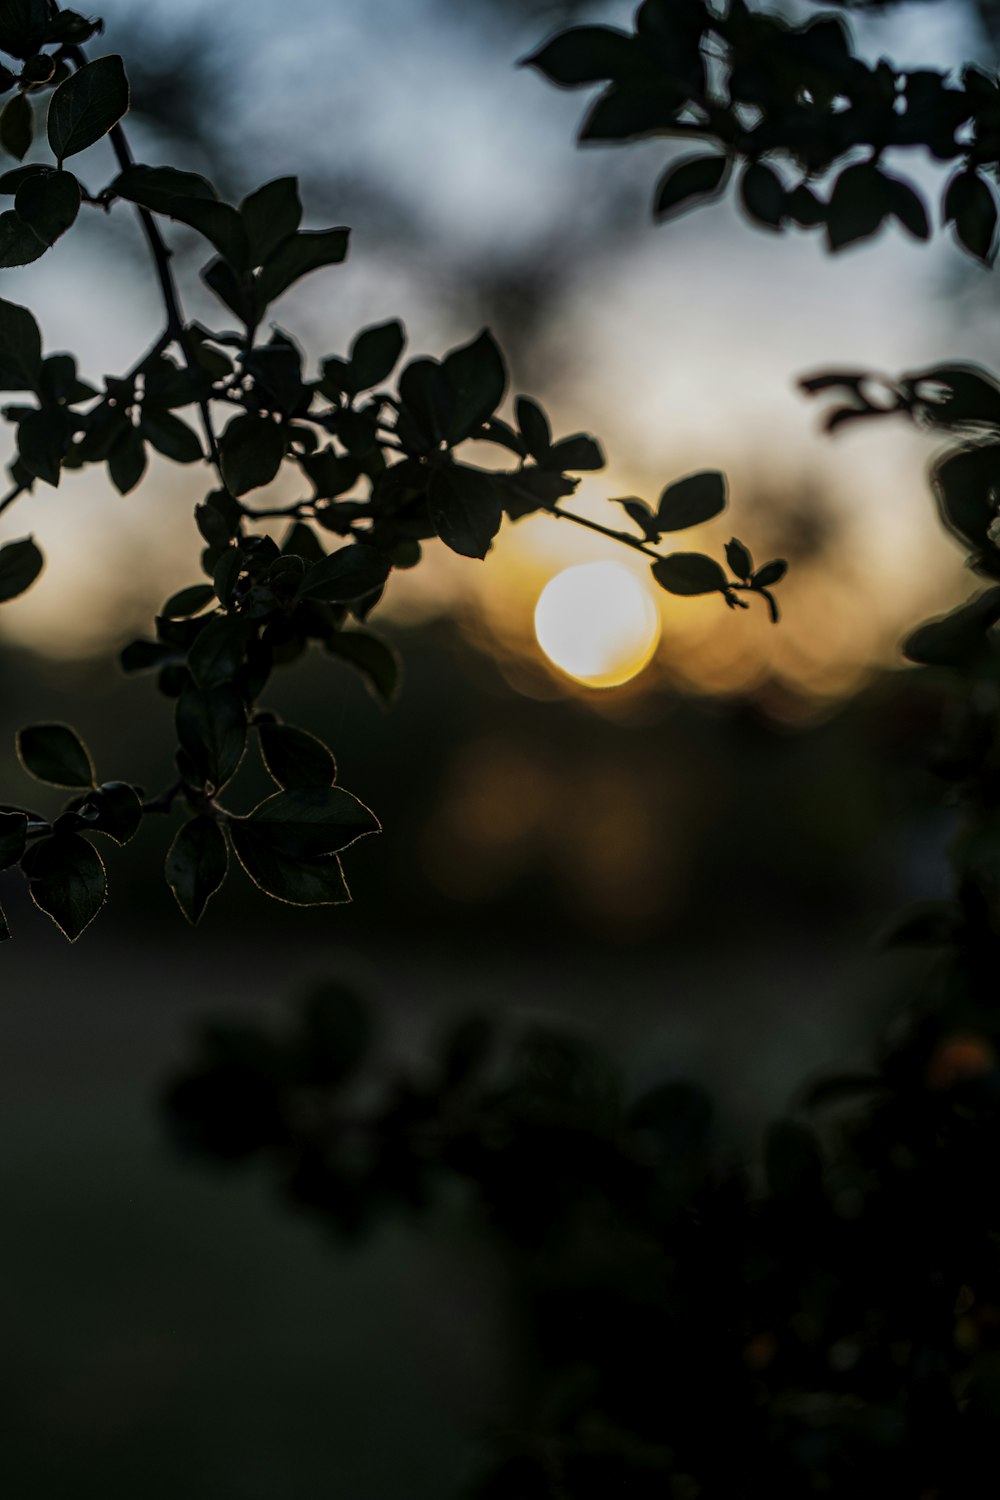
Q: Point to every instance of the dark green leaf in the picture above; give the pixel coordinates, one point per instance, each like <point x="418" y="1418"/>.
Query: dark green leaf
<point x="907" y="206"/>
<point x="218" y="653"/>
<point x="20" y="349"/>
<point x="466" y="508"/>
<point x="212" y="728"/>
<point x="17" y="126"/>
<point x="86" y="106"/>
<point x="19" y="244"/>
<point x="23" y="26"/>
<point x="231" y="289"/>
<point x="252" y="452"/>
<point x="54" y="753"/>
<point x="308" y="250"/>
<point x="377" y="662"/>
<point x="858" y="204"/>
<point x="330" y="472"/>
<point x="187" y="602"/>
<point x="762" y="195"/>
<point x="587" y="54"/>
<point x="308" y="822"/>
<point x="295" y="758"/>
<point x="12" y="180"/>
<point x="739" y="559"/>
<point x="691" y="501"/>
<point x="577" y="454"/>
<point x="68" y="882"/>
<point x="170" y="436"/>
<point x="298" y="882"/>
<point x="156" y="187"/>
<point x="969" y="204"/>
<point x="534" y="427"/>
<point x="689" y="573"/>
<point x="691" y="180"/>
<point x="425" y="392"/>
<point x="127" y="459"/>
<point x="13" y="835"/>
<point x="42" y="440"/>
<point x="633" y="109"/>
<point x="770" y="574"/>
<point x="345" y="575"/>
<point x="270" y="215"/>
<point x="113" y="808"/>
<point x="196" y="865"/>
<point x="20" y="564"/>
<point x="48" y="203"/>
<point x="477" y="379"/>
<point x="219" y="223"/>
<point x="373" y="356"/>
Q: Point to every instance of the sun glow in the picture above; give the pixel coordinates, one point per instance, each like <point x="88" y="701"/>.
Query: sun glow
<point x="598" y="623"/>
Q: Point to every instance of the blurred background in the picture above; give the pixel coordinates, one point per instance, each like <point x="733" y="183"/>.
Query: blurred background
<point x="690" y="865"/>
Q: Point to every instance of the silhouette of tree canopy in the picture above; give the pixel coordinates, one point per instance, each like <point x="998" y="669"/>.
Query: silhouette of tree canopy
<point x="380" y="470"/>
<point x="825" y="1322"/>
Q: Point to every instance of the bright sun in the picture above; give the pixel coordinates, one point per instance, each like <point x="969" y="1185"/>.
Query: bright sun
<point x="597" y="622"/>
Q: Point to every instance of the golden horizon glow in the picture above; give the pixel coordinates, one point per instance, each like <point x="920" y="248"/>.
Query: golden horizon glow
<point x="598" y="623"/>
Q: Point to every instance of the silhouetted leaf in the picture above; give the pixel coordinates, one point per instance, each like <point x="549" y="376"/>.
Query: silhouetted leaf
<point x="252" y="450"/>
<point x="307" y="250"/>
<point x="270" y="215"/>
<point x="17" y="126"/>
<point x="42" y="440"/>
<point x="477" y="378"/>
<point x="466" y="508"/>
<point x="86" y="106"/>
<point x="156" y="187"/>
<point x="20" y="349"/>
<point x="762" y="195"/>
<point x="196" y="865"/>
<point x="377" y="662"/>
<point x="345" y="575"/>
<point x="577" y="454"/>
<point x="220" y="223"/>
<point x="127" y="459"/>
<point x="373" y="356"/>
<point x="295" y="758"/>
<point x="170" y="435"/>
<point x="691" y="180"/>
<point x="691" y="501"/>
<point x="970" y="205"/>
<point x="48" y="203"/>
<point x="212" y="728"/>
<point x="19" y="244"/>
<point x="770" y="574"/>
<point x="113" y="808"/>
<point x="218" y="652"/>
<point x="189" y="601"/>
<point x="689" y="573"/>
<point x="13" y="835"/>
<point x="297" y="882"/>
<point x="534" y="426"/>
<point x="858" y="204"/>
<point x="68" y="882"/>
<point x="309" y="822"/>
<point x="55" y="753"/>
<point x="906" y="205"/>
<point x="587" y="54"/>
<point x="739" y="559"/>
<point x="20" y="564"/>
<point x="23" y="26"/>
